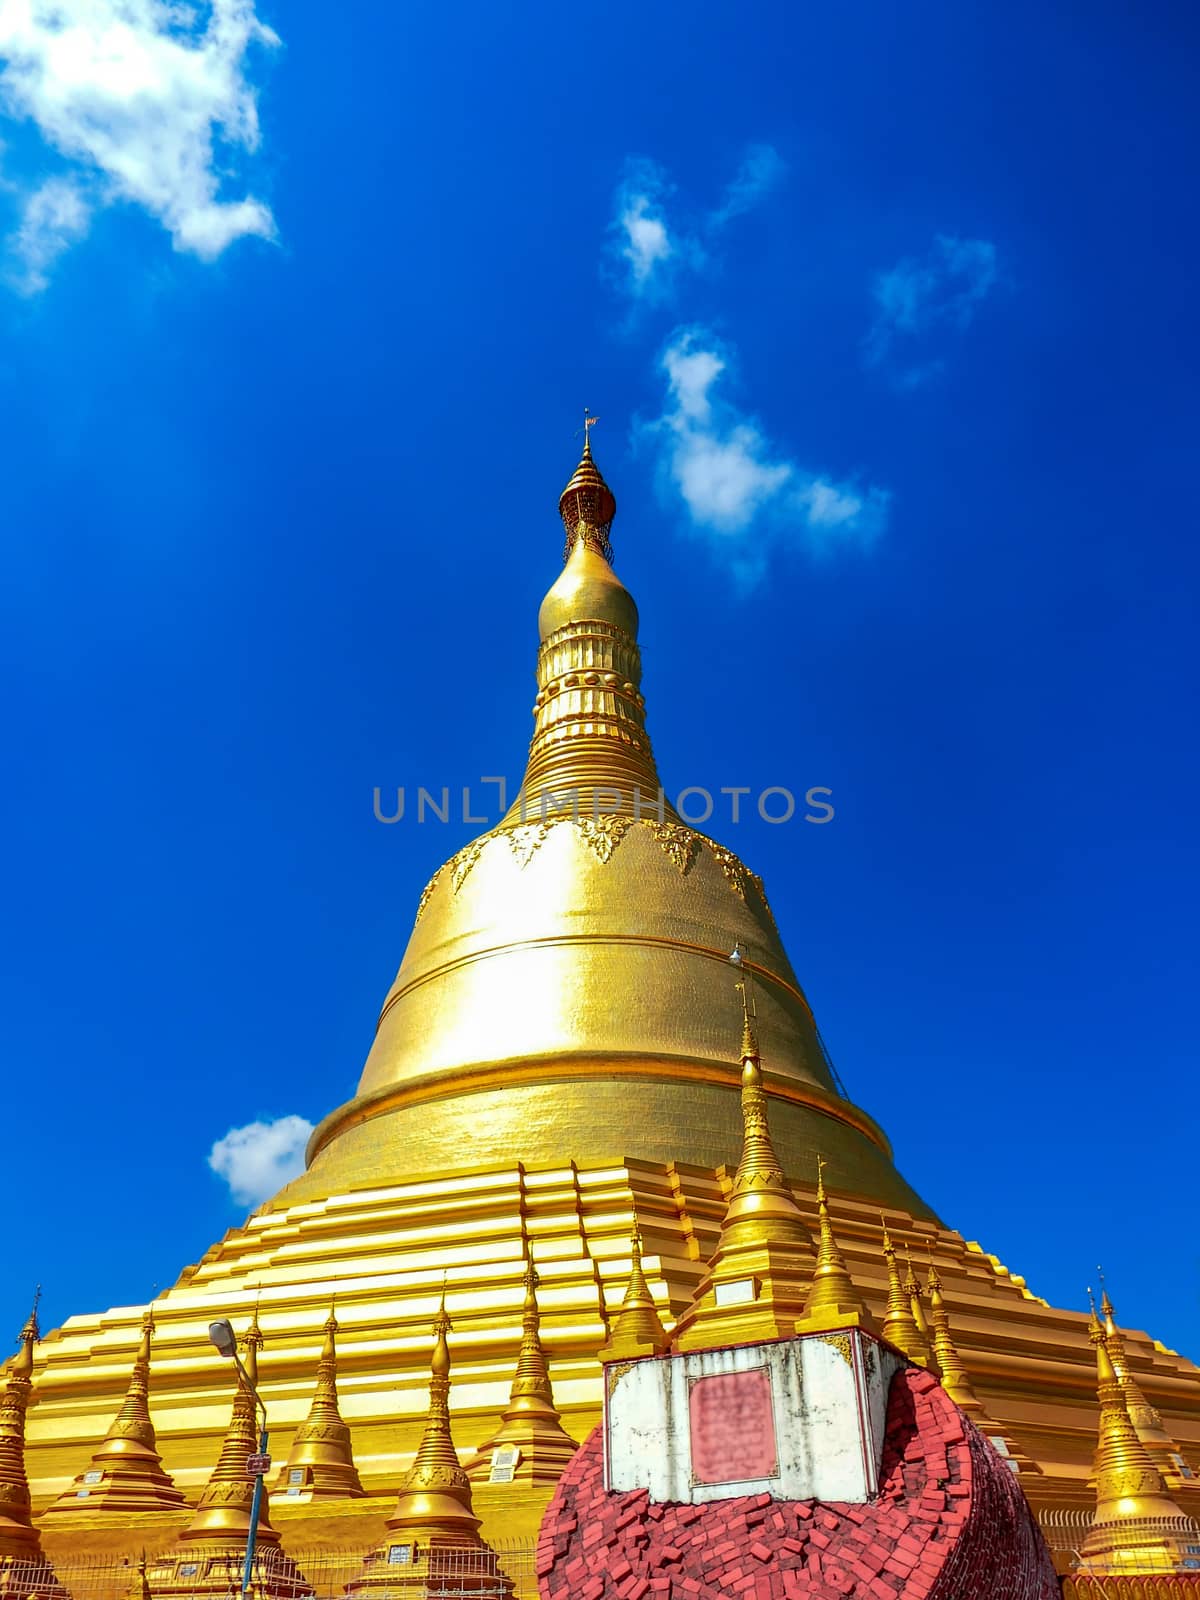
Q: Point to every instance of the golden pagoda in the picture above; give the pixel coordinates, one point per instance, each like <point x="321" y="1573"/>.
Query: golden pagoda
<point x="530" y="1445"/>
<point x="1148" y="1425"/>
<point x="550" y="1070"/>
<point x="1137" y="1528"/>
<point x="24" y="1569"/>
<point x="900" y="1326"/>
<point x="832" y="1300"/>
<point x="320" y="1464"/>
<point x="758" y="1278"/>
<point x="637" y="1328"/>
<point x="126" y="1471"/>
<point x="207" y="1557"/>
<point x="433" y="1543"/>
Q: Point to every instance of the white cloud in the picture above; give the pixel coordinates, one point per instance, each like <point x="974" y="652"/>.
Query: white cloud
<point x="642" y="236"/>
<point x="655" y="249"/>
<point x="147" y="99"/>
<point x="746" y="496"/>
<point x="920" y="298"/>
<point x="260" y="1158"/>
<point x="761" y="170"/>
<point x="53" y="217"/>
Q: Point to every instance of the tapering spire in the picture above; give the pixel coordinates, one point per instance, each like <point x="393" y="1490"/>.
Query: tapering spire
<point x="764" y="1256"/>
<point x="206" y="1560"/>
<point x="126" y="1471"/>
<point x="587" y="505"/>
<point x="912" y="1289"/>
<point x="590" y="752"/>
<point x="17" y="1535"/>
<point x="320" y="1464"/>
<point x="637" y="1329"/>
<point x="436" y="1492"/>
<point x="530" y="1424"/>
<point x="832" y="1301"/>
<point x="1162" y="1449"/>
<point x="955" y="1379"/>
<point x="222" y="1512"/>
<point x="1131" y="1497"/>
<point x="899" y="1325"/>
<point x="433" y="1522"/>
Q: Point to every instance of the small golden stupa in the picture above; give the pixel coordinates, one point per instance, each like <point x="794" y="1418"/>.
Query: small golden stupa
<point x="532" y="1443"/>
<point x="25" y="1573"/>
<point x="1137" y="1529"/>
<point x="433" y="1544"/>
<point x="320" y="1464"/>
<point x="207" y="1557"/>
<point x="125" y="1473"/>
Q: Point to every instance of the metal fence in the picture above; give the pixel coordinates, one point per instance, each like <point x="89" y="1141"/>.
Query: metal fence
<point x="399" y="1572"/>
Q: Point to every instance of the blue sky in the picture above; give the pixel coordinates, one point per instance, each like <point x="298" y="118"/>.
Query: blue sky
<point x="889" y="317"/>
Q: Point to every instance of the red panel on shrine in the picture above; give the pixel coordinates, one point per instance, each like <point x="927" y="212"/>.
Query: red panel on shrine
<point x="732" y="1427"/>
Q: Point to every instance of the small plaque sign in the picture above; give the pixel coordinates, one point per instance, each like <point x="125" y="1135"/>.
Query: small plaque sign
<point x="296" y="1475"/>
<point x="257" y="1466"/>
<point x="401" y="1555"/>
<point x="732" y="1425"/>
<point x="82" y="1494"/>
<point x="93" y="1477"/>
<point x="504" y="1463"/>
<point x="741" y="1292"/>
<point x="187" y="1569"/>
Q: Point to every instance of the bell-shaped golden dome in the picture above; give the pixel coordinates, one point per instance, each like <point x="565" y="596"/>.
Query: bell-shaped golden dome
<point x="566" y="992"/>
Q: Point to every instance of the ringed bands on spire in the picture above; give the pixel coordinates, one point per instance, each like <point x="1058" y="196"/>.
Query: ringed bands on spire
<point x="587" y="507"/>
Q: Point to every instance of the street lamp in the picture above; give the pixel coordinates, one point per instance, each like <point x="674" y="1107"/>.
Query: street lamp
<point x="223" y="1337"/>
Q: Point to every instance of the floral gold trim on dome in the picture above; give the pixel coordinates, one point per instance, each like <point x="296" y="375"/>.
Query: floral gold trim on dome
<point x="604" y="833"/>
<point x="681" y="845"/>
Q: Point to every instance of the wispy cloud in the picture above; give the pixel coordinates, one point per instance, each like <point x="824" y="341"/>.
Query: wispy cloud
<point x="257" y="1160"/>
<point x="920" y="299"/>
<point x="655" y="238"/>
<point x="648" y="250"/>
<point x="146" y="101"/>
<point x="762" y="169"/>
<point x="743" y="494"/>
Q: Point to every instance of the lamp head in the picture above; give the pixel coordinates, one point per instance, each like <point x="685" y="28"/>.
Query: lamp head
<point x="223" y="1337"/>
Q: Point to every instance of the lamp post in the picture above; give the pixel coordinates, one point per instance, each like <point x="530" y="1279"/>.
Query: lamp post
<point x="223" y="1337"/>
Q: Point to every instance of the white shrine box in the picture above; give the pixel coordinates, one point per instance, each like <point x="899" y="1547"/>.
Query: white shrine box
<point x="799" y="1419"/>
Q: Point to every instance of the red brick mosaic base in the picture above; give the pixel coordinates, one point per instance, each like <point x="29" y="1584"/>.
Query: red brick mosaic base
<point x="950" y="1523"/>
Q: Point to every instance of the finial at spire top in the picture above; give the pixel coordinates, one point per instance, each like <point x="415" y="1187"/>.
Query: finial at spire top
<point x="587" y="505"/>
<point x="749" y="1012"/>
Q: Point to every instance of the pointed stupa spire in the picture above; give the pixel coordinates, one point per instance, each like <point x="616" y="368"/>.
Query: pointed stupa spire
<point x="320" y="1464"/>
<point x="912" y="1289"/>
<point x="126" y="1471"/>
<point x="1162" y="1449"/>
<point x="436" y="1492"/>
<point x="590" y="752"/>
<point x="587" y="505"/>
<point x="637" y="1329"/>
<point x="205" y="1561"/>
<point x="1137" y="1527"/>
<point x="530" y="1424"/>
<point x="758" y="1279"/>
<point x="433" y="1523"/>
<point x="955" y="1379"/>
<point x="17" y="1536"/>
<point x="832" y="1301"/>
<point x="899" y="1325"/>
<point x="222" y="1514"/>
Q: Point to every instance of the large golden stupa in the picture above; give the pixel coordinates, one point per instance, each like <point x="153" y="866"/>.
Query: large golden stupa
<point x="555" y="1070"/>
